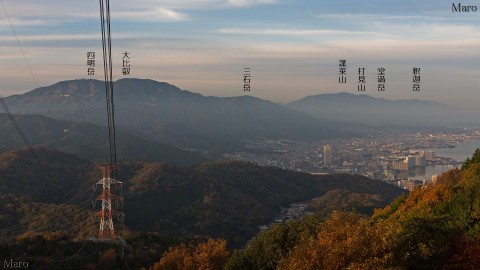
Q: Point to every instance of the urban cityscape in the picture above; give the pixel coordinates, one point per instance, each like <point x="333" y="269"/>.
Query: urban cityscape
<point x="406" y="159"/>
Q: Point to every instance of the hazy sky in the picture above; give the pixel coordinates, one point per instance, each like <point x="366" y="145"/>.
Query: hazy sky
<point x="291" y="46"/>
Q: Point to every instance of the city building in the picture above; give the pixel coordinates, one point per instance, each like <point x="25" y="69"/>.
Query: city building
<point x="411" y="162"/>
<point x="434" y="179"/>
<point x="420" y="161"/>
<point x="327" y="155"/>
<point x="399" y="166"/>
<point x="430" y="156"/>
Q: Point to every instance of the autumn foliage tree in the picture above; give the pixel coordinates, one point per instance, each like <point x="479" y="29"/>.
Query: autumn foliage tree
<point x="211" y="255"/>
<point x="434" y="227"/>
<point x="346" y="241"/>
<point x="475" y="159"/>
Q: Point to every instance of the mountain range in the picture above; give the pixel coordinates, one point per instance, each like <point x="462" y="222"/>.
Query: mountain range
<point x="370" y="111"/>
<point x="87" y="140"/>
<point x="219" y="199"/>
<point x="164" y="113"/>
<point x="151" y="115"/>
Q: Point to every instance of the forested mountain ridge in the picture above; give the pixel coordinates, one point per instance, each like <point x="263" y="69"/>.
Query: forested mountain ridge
<point x="365" y="110"/>
<point x="218" y="199"/>
<point x="87" y="140"/>
<point x="163" y="113"/>
<point x="435" y="227"/>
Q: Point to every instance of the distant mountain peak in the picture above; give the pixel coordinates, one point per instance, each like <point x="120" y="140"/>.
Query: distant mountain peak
<point x="92" y="87"/>
<point x="345" y="96"/>
<point x="369" y="110"/>
<point x="164" y="113"/>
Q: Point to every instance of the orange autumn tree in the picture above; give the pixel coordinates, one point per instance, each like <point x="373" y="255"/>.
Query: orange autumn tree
<point x="211" y="255"/>
<point x="346" y="241"/>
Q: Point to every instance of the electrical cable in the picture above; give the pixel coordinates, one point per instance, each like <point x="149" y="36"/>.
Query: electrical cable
<point x="105" y="20"/>
<point x="15" y="123"/>
<point x="19" y="44"/>
<point x="108" y="76"/>
<point x="29" y="220"/>
<point x="112" y="104"/>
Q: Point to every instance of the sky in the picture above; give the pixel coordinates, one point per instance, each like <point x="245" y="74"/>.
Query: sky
<point x="292" y="47"/>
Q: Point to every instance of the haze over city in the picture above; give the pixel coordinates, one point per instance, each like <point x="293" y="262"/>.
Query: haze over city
<point x="292" y="47"/>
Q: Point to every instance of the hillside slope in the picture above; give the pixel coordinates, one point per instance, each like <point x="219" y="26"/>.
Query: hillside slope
<point x="226" y="199"/>
<point x="436" y="227"/>
<point x="88" y="141"/>
<point x="164" y="113"/>
<point x="370" y="111"/>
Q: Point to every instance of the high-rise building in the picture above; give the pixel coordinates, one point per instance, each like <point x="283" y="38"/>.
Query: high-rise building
<point x="411" y="162"/>
<point x="420" y="161"/>
<point x="399" y="166"/>
<point x="327" y="155"/>
<point x="430" y="155"/>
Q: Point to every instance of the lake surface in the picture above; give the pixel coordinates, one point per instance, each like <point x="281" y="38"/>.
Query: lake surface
<point x="461" y="152"/>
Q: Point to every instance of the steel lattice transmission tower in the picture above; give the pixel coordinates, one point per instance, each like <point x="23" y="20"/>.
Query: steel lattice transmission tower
<point x="110" y="186"/>
<point x="109" y="199"/>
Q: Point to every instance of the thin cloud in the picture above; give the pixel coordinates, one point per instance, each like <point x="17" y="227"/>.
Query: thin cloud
<point x="68" y="37"/>
<point x="156" y="14"/>
<point x="23" y="22"/>
<point x="246" y="3"/>
<point x="432" y="32"/>
<point x="377" y="17"/>
<point x="300" y="32"/>
<point x="170" y="9"/>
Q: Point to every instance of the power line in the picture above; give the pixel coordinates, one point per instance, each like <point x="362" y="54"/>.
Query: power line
<point x="2" y="100"/>
<point x="15" y="124"/>
<point x="108" y="79"/>
<point x="107" y="196"/>
<point x="26" y="221"/>
<point x="19" y="44"/>
<point x="106" y="223"/>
